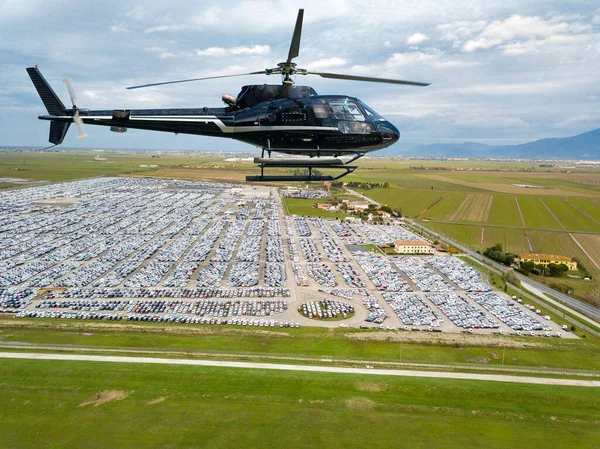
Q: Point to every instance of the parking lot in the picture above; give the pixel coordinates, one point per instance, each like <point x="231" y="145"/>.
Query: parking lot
<point x="174" y="247"/>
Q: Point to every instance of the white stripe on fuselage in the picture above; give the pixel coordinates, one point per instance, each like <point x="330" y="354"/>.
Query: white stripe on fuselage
<point x="208" y="119"/>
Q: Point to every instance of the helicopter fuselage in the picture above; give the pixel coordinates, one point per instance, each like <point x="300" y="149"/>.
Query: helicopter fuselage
<point x="319" y="125"/>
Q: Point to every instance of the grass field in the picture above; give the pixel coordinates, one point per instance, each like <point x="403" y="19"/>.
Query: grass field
<point x="301" y="206"/>
<point x="536" y="215"/>
<point x="588" y="205"/>
<point x="445" y="208"/>
<point x="411" y="202"/>
<point x="64" y="166"/>
<point x="42" y="405"/>
<point x="504" y="211"/>
<point x="570" y="216"/>
<point x="316" y="342"/>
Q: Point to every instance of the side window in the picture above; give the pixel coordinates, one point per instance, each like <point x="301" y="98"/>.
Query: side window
<point x="354" y="128"/>
<point x="346" y="110"/>
<point x="320" y="111"/>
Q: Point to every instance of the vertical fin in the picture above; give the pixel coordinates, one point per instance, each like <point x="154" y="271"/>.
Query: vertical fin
<point x="48" y="96"/>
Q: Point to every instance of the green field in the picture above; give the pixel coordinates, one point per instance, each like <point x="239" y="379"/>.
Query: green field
<point x="410" y="202"/>
<point x="444" y="209"/>
<point x="504" y="211"/>
<point x="42" y="405"/>
<point x="536" y="215"/>
<point x="302" y="206"/>
<point x="590" y="206"/>
<point x="307" y="342"/>
<point x="570" y="216"/>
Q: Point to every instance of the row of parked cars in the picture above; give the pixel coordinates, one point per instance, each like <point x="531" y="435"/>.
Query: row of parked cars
<point x="154" y="318"/>
<point x="321" y="273"/>
<point x="459" y="272"/>
<point x="509" y="313"/>
<point x="412" y="309"/>
<point x="427" y="279"/>
<point x="381" y="273"/>
<point x="462" y="312"/>
<point x="184" y="293"/>
<point x="161" y="306"/>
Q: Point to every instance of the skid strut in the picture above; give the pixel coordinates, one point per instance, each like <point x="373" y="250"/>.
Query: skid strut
<point x="308" y="163"/>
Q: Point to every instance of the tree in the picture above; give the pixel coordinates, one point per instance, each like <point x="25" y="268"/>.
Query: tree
<point x="557" y="270"/>
<point x="510" y="277"/>
<point x="386" y="185"/>
<point x="527" y="267"/>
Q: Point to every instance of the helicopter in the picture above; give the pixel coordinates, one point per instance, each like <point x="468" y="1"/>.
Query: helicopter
<point x="329" y="131"/>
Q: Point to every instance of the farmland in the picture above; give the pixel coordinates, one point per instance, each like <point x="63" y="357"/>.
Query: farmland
<point x="41" y="402"/>
<point x="480" y="204"/>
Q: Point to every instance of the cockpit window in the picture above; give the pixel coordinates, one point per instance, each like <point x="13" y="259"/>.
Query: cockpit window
<point x="346" y="110"/>
<point x="373" y="116"/>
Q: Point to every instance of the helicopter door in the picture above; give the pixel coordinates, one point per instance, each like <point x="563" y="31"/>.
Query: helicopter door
<point x="297" y="124"/>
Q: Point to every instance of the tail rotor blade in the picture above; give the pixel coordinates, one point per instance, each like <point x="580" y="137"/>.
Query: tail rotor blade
<point x="79" y="123"/>
<point x="71" y="91"/>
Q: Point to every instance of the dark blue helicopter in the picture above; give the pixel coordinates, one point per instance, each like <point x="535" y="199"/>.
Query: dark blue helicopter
<point x="284" y="118"/>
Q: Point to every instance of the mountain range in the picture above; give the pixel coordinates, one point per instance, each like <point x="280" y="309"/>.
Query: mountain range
<point x="582" y="146"/>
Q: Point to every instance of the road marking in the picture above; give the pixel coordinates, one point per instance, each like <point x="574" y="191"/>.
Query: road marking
<point x="308" y="368"/>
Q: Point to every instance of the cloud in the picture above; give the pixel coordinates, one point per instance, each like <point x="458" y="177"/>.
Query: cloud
<point x="138" y="13"/>
<point x="336" y="61"/>
<point x="220" y="51"/>
<point x="530" y="61"/>
<point x="416" y="39"/>
<point x="402" y="59"/>
<point x="120" y="27"/>
<point x="518" y="28"/>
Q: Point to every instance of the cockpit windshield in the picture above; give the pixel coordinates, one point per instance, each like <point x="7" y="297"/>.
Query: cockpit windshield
<point x="373" y="116"/>
<point x="346" y="110"/>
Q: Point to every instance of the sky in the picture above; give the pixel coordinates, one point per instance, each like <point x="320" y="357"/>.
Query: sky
<point x="502" y="71"/>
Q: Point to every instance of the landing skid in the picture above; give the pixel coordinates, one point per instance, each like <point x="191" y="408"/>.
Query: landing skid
<point x="308" y="163"/>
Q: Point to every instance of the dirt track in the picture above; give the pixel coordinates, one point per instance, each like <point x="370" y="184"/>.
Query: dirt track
<point x="284" y="367"/>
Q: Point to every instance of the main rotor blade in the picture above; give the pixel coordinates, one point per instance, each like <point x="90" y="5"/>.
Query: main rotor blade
<point x="262" y="72"/>
<point x="366" y="78"/>
<point x="295" y="45"/>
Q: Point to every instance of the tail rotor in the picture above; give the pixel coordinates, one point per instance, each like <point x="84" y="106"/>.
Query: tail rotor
<point x="76" y="117"/>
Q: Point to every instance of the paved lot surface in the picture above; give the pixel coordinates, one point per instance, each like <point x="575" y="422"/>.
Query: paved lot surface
<point x="196" y="252"/>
